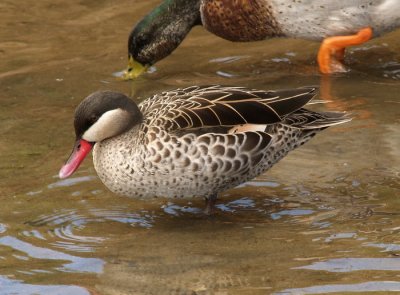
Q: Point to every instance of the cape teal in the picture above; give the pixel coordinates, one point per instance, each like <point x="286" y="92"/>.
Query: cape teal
<point x="192" y="142"/>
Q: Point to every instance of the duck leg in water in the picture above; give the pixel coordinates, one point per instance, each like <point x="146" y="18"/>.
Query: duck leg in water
<point x="210" y="204"/>
<point x="331" y="52"/>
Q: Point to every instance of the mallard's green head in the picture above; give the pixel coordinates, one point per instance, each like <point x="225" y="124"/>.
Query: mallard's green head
<point x="159" y="33"/>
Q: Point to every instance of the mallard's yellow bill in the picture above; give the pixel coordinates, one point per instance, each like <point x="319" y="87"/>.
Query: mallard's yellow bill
<point x="133" y="71"/>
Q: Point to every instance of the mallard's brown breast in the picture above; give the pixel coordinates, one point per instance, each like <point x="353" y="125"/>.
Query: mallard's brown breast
<point x="240" y="20"/>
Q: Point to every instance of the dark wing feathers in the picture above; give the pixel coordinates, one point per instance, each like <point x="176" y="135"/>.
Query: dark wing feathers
<point x="214" y="105"/>
<point x="292" y="100"/>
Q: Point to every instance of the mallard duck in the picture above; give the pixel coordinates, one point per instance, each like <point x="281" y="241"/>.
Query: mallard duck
<point x="338" y="24"/>
<point x="196" y="141"/>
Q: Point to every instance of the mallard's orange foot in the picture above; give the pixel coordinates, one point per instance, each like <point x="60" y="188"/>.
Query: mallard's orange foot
<point x="331" y="52"/>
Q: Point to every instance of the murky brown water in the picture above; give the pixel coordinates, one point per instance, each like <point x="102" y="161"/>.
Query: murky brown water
<point x="325" y="219"/>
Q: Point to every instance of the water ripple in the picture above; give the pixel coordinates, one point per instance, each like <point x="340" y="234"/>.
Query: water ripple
<point x="66" y="222"/>
<point x="33" y="233"/>
<point x="242" y="203"/>
<point x="120" y="215"/>
<point x="391" y="70"/>
<point x="9" y="286"/>
<point x="63" y="226"/>
<point x="77" y="264"/>
<point x="3" y="228"/>
<point x="354" y="264"/>
<point x="260" y="183"/>
<point x="71" y="181"/>
<point x="228" y="59"/>
<point x="174" y="209"/>
<point x="385" y="247"/>
<point x="292" y="212"/>
<point x="379" y="286"/>
<point x="60" y="217"/>
<point x="73" y="242"/>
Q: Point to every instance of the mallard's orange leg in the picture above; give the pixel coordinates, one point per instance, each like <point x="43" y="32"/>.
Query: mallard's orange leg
<point x="339" y="54"/>
<point x="332" y="50"/>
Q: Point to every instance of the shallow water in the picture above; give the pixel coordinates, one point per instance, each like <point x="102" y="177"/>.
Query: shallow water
<point x="324" y="220"/>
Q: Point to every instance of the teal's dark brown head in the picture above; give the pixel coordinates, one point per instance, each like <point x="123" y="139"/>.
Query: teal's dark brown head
<point x="101" y="115"/>
<point x="159" y="33"/>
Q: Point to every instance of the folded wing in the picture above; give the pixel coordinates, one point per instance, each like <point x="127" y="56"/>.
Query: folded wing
<point x="211" y="106"/>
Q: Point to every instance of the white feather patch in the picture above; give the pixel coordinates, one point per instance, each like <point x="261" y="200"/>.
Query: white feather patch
<point x="247" y="127"/>
<point x="110" y="124"/>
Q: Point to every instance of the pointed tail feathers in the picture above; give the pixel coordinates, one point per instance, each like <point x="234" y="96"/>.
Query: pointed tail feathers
<point x="305" y="119"/>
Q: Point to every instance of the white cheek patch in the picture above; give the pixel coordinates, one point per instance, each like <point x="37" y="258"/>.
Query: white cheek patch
<point x="110" y="124"/>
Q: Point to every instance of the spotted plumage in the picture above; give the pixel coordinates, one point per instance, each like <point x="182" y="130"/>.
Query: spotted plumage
<point x="307" y="19"/>
<point x="197" y="141"/>
<point x="240" y="20"/>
